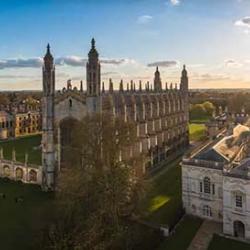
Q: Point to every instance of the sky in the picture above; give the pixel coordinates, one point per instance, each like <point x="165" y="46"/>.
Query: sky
<point x="212" y="37"/>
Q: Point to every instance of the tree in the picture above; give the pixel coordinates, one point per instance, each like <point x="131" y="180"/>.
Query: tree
<point x="209" y="108"/>
<point x="98" y="192"/>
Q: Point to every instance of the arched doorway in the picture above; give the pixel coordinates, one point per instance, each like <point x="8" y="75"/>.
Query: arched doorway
<point x="239" y="229"/>
<point x="33" y="175"/>
<point x="19" y="174"/>
<point x="67" y="127"/>
<point x="6" y="171"/>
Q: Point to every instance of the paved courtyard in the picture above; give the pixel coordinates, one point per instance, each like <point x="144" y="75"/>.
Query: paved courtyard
<point x="204" y="235"/>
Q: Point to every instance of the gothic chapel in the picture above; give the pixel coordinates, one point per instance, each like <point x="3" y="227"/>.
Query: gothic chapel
<point x="160" y="115"/>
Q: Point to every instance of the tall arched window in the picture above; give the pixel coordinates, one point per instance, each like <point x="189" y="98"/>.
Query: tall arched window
<point x="207" y="185"/>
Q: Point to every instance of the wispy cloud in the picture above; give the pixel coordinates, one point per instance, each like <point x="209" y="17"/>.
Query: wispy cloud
<point x="175" y="2"/>
<point x="73" y="61"/>
<point x="21" y="63"/>
<point x="166" y="64"/>
<point x="144" y="19"/>
<point x="232" y="63"/>
<point x="243" y="22"/>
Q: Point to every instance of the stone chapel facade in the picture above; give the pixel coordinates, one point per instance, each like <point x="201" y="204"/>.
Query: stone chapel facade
<point x="160" y="115"/>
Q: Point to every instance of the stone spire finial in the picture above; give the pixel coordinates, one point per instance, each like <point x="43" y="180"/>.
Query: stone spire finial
<point x="140" y="86"/>
<point x="103" y="87"/>
<point x="166" y="86"/>
<point x="134" y="87"/>
<point x="81" y="87"/>
<point x="121" y="85"/>
<point x="171" y="85"/>
<point x="110" y="85"/>
<point x="93" y="43"/>
<point x="148" y="85"/>
<point x="13" y="154"/>
<point x="131" y="85"/>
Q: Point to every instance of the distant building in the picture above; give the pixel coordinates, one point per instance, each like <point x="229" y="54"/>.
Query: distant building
<point x="216" y="182"/>
<point x="27" y="123"/>
<point x="6" y="125"/>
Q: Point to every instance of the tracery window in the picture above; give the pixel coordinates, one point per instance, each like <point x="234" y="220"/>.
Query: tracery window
<point x="207" y="185"/>
<point x="238" y="200"/>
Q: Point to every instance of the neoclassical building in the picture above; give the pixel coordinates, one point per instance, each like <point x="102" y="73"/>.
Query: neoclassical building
<point x="216" y="181"/>
<point x="160" y="114"/>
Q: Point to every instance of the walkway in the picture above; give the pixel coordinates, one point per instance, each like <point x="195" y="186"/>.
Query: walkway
<point x="204" y="235"/>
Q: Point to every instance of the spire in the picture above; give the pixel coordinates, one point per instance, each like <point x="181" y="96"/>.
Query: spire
<point x="157" y="80"/>
<point x="131" y="85"/>
<point x="171" y="85"/>
<point x="93" y="43"/>
<point x="166" y="86"/>
<point x="81" y="87"/>
<point x="184" y="71"/>
<point x="93" y="52"/>
<point x="103" y="88"/>
<point x="134" y="87"/>
<point x="110" y="85"/>
<point x="121" y="85"/>
<point x="140" y="86"/>
<point x="48" y="58"/>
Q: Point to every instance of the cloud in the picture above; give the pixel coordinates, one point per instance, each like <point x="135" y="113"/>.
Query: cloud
<point x="243" y="22"/>
<point x="144" y="19"/>
<point x="21" y="63"/>
<point x="209" y="78"/>
<point x="166" y="64"/>
<point x="232" y="63"/>
<point x="175" y="2"/>
<point x="73" y="61"/>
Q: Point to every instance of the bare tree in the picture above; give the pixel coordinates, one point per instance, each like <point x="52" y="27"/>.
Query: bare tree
<point x="98" y="192"/>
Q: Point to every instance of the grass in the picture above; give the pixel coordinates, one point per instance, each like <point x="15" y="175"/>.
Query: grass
<point x="163" y="199"/>
<point x="183" y="235"/>
<point x="22" y="145"/>
<point x="221" y="243"/>
<point x="200" y="120"/>
<point x="21" y="222"/>
<point x="197" y="132"/>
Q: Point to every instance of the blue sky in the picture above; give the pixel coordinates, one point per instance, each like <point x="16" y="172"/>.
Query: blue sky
<point x="211" y="36"/>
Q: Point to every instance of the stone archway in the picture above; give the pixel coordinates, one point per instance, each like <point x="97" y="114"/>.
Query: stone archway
<point x="19" y="173"/>
<point x="67" y="127"/>
<point x="239" y="229"/>
<point x="6" y="171"/>
<point x="32" y="175"/>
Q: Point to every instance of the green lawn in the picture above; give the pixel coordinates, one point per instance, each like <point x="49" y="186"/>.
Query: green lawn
<point x="197" y="132"/>
<point x="163" y="200"/>
<point x="23" y="145"/>
<point x="200" y="120"/>
<point x="183" y="235"/>
<point x="221" y="243"/>
<point x="21" y="222"/>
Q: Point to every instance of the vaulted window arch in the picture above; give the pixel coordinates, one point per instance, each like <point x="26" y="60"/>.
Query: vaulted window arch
<point x="207" y="185"/>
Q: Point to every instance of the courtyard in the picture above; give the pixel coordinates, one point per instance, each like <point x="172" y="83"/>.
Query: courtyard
<point x="22" y="145"/>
